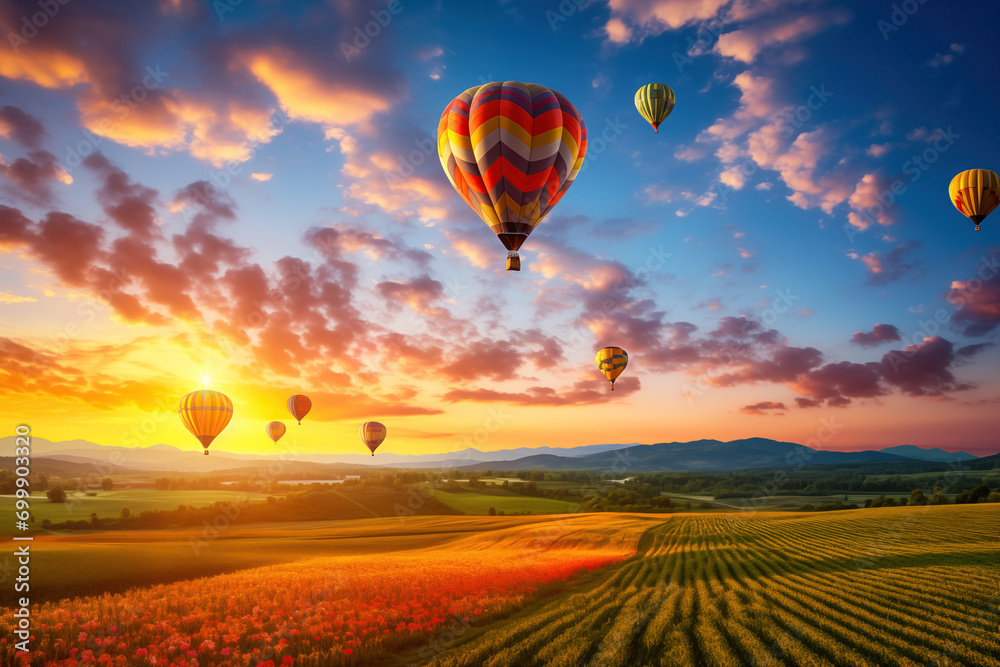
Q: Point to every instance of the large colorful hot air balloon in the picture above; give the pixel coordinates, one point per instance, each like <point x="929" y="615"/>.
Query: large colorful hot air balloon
<point x="275" y="430"/>
<point x="372" y="434"/>
<point x="655" y="101"/>
<point x="975" y="192"/>
<point x="511" y="150"/>
<point x="206" y="413"/>
<point x="299" y="406"/>
<point x="611" y="361"/>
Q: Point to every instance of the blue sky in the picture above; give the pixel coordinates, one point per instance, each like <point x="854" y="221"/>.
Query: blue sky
<point x="757" y="201"/>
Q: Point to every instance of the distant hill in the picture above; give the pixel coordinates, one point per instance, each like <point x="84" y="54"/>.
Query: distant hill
<point x="699" y="455"/>
<point x="929" y="453"/>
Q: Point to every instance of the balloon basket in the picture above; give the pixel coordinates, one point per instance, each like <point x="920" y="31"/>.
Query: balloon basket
<point x="513" y="261"/>
<point x="206" y="452"/>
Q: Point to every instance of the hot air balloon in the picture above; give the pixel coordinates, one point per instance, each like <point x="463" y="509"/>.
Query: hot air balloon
<point x="975" y="192"/>
<point x="655" y="101"/>
<point x="299" y="406"/>
<point x="511" y="150"/>
<point x="206" y="413"/>
<point x="611" y="361"/>
<point x="275" y="430"/>
<point x="372" y="434"/>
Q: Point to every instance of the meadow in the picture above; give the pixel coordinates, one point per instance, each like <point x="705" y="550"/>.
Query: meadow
<point x="889" y="586"/>
<point x="480" y="503"/>
<point x="108" y="504"/>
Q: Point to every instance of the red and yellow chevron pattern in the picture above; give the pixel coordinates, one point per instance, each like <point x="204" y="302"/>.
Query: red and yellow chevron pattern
<point x="511" y="150"/>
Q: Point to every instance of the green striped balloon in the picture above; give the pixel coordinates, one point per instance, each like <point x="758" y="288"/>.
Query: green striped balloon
<point x="655" y="101"/>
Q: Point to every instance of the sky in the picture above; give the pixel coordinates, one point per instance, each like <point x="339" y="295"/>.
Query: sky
<point x="246" y="196"/>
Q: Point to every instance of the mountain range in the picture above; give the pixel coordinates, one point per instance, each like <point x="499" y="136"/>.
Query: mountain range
<point x="699" y="455"/>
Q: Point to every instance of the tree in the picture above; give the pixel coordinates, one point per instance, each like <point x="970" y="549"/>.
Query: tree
<point x="917" y="497"/>
<point x="43" y="482"/>
<point x="979" y="494"/>
<point x="126" y="513"/>
<point x="56" y="495"/>
<point x="492" y="511"/>
<point x="94" y="521"/>
<point x="107" y="484"/>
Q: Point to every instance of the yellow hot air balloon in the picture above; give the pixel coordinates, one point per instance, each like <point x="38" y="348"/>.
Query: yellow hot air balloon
<point x="206" y="413"/>
<point x="975" y="192"/>
<point x="611" y="361"/>
<point x="372" y="434"/>
<point x="511" y="150"/>
<point x="275" y="430"/>
<point x="299" y="406"/>
<point x="655" y="101"/>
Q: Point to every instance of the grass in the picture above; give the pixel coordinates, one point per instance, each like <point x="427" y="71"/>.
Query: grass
<point x="775" y="503"/>
<point x="108" y="504"/>
<point x="480" y="503"/>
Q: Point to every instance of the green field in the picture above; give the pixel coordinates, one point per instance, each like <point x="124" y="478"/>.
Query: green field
<point x="774" y="503"/>
<point x="480" y="503"/>
<point x="108" y="504"/>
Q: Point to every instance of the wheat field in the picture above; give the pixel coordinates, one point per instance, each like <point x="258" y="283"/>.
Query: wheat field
<point x="897" y="586"/>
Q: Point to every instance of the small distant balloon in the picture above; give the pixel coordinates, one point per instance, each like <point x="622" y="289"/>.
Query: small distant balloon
<point x="655" y="101"/>
<point x="299" y="406"/>
<point x="372" y="434"/>
<point x="975" y="193"/>
<point x="205" y="413"/>
<point x="275" y="430"/>
<point x="611" y="361"/>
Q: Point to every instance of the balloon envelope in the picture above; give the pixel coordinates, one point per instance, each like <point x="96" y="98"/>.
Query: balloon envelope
<point x="275" y="430"/>
<point x="975" y="192"/>
<point x="511" y="150"/>
<point x="205" y="413"/>
<point x="611" y="361"/>
<point x="655" y="101"/>
<point x="299" y="406"/>
<point x="372" y="434"/>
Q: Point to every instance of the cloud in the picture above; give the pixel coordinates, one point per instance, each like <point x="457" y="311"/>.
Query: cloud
<point x="585" y="392"/>
<point x="879" y="334"/>
<point x="7" y="297"/>
<point x="925" y="369"/>
<point x="261" y="176"/>
<point x="31" y="179"/>
<point x="634" y="20"/>
<point x="746" y="44"/>
<point x="978" y="305"/>
<point x="21" y="127"/>
<point x="885" y="269"/>
<point x="946" y="58"/>
<point x="760" y="408"/>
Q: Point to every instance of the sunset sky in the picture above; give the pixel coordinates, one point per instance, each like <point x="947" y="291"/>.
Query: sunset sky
<point x="248" y="192"/>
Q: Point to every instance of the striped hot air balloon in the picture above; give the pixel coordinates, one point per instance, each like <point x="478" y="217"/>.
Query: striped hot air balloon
<point x="299" y="406"/>
<point x="611" y="361"/>
<point x="975" y="192"/>
<point x="205" y="413"/>
<point x="372" y="434"/>
<point x="275" y="430"/>
<point x="511" y="150"/>
<point x="655" y="101"/>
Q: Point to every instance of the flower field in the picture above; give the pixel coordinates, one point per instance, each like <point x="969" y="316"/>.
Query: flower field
<point x="325" y="611"/>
